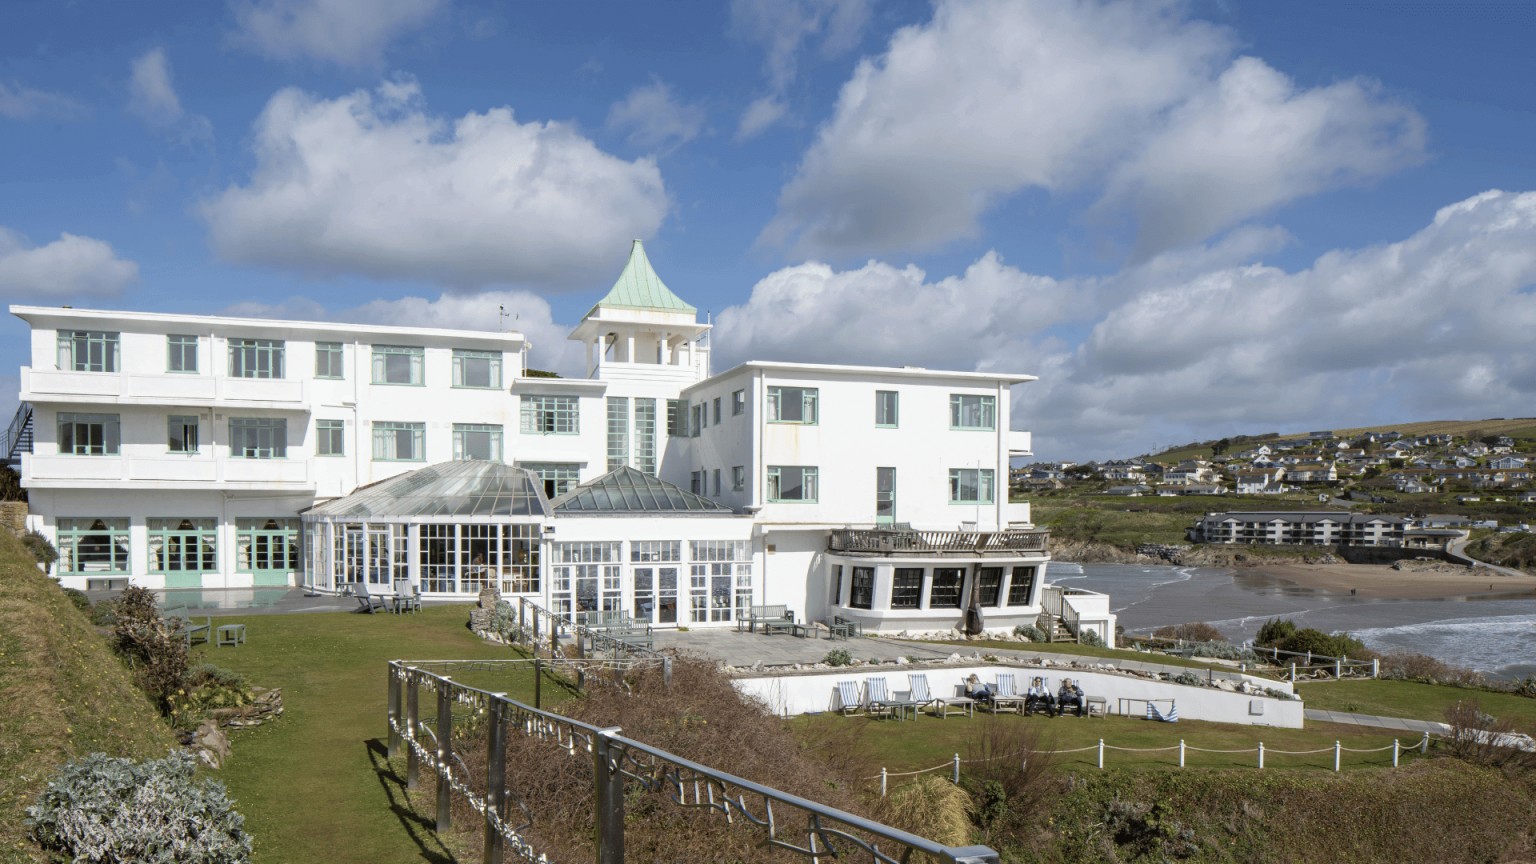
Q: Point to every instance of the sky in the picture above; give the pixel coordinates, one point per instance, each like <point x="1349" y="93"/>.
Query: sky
<point x="1190" y="220"/>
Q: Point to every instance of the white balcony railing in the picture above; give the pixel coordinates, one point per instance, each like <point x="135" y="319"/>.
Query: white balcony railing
<point x="37" y="385"/>
<point x="1020" y="443"/>
<point x="191" y="471"/>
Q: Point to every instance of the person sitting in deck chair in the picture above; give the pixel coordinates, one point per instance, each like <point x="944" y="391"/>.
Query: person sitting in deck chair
<point x="1071" y="695"/>
<point x="1039" y="698"/>
<point x="976" y="690"/>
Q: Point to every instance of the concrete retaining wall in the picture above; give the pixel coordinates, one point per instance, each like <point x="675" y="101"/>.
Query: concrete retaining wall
<point x="13" y="515"/>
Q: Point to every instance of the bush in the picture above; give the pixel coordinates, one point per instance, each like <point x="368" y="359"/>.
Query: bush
<point x="1009" y="776"/>
<point x="152" y="648"/>
<point x="1090" y="638"/>
<point x="1030" y="632"/>
<point x="1486" y="740"/>
<point x="82" y="602"/>
<point x="104" y="613"/>
<point x="41" y="549"/>
<point x="838" y="657"/>
<point x="1188" y="678"/>
<point x="1196" y="631"/>
<point x="1223" y="651"/>
<point x="109" y="810"/>
<point x="1274" y="631"/>
<point x="1328" y="645"/>
<point x="206" y="688"/>
<point x="931" y="807"/>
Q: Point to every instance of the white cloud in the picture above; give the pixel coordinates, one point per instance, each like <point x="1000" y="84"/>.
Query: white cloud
<point x="784" y="28"/>
<point x="71" y="266"/>
<point x="527" y="314"/>
<point x="653" y="119"/>
<point x="343" y="32"/>
<point x="371" y="184"/>
<point x="19" y="102"/>
<point x="152" y="98"/>
<point x="1198" y="343"/>
<point x="994" y="97"/>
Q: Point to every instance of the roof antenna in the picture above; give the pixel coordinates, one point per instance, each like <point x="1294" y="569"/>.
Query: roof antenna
<point x="501" y="320"/>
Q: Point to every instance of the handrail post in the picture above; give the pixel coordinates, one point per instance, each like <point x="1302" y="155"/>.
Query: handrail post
<point x="394" y="709"/>
<point x="495" y="779"/>
<point x="608" y="780"/>
<point x="522" y="614"/>
<point x="538" y="682"/>
<point x="412" y="761"/>
<point x="444" y="754"/>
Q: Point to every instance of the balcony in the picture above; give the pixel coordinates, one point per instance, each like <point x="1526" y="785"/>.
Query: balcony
<point x="49" y="385"/>
<point x="1020" y="443"/>
<point x="862" y="541"/>
<point x="134" y="472"/>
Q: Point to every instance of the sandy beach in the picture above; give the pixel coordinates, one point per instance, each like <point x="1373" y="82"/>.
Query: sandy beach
<point x="1383" y="582"/>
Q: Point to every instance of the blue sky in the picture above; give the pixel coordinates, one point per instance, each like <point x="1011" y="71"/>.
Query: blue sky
<point x="1189" y="219"/>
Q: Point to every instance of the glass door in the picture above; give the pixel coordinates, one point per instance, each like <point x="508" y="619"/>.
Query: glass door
<point x="885" y="496"/>
<point x="666" y="595"/>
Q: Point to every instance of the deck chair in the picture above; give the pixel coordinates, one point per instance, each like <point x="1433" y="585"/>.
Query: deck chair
<point x="848" y="697"/>
<point x="1005" y="696"/>
<point x="370" y="598"/>
<point x="407" y="599"/>
<point x="921" y="695"/>
<point x="877" y="698"/>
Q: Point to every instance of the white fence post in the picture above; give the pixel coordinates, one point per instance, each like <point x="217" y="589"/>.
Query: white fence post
<point x="1101" y="752"/>
<point x="1375" y="667"/>
<point x="1395" y="750"/>
<point x="882" y="782"/>
<point x="1338" y="668"/>
<point x="1181" y="752"/>
<point x="1424" y="745"/>
<point x="1337" y="752"/>
<point x="1293" y="671"/>
<point x="957" y="769"/>
<point x="1261" y="754"/>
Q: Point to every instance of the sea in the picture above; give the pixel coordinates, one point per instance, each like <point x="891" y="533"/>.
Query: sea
<point x="1494" y="635"/>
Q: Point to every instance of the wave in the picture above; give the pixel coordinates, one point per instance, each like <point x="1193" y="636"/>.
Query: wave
<point x="1487" y="644"/>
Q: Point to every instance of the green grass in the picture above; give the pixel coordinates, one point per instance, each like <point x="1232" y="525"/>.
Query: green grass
<point x="1412" y="700"/>
<point x="62" y="694"/>
<point x="315" y="785"/>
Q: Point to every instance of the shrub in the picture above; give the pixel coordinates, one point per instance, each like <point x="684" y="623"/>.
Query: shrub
<point x="1328" y="645"/>
<point x="931" y="807"/>
<point x="1030" y="632"/>
<point x="838" y="657"/>
<point x="109" y="810"/>
<point x="1486" y="740"/>
<point x="104" y="613"/>
<point x="1008" y="774"/>
<point x="1223" y="651"/>
<point x="1274" y="631"/>
<point x="1195" y="631"/>
<point x="1090" y="638"/>
<point x="41" y="549"/>
<point x="82" y="602"/>
<point x="153" y="650"/>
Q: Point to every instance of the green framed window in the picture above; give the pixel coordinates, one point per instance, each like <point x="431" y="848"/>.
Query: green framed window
<point x="970" y="486"/>
<point x="89" y="434"/>
<point x="266" y="545"/>
<point x="556" y="477"/>
<point x="88" y="351"/>
<point x="972" y="412"/>
<point x="183" y="545"/>
<point x="330" y="437"/>
<point x="258" y="438"/>
<point x="792" y="483"/>
<point x="477" y="369"/>
<point x="792" y="405"/>
<point x="645" y="436"/>
<point x="738" y="478"/>
<point x="330" y="360"/>
<point x="94" y="546"/>
<point x="550" y="415"/>
<point x="886" y="408"/>
<point x="181" y="433"/>
<point x="618" y="432"/>
<point x="399" y="364"/>
<point x="481" y="441"/>
<point x="399" y="442"/>
<point x="256" y="358"/>
<point x="180" y="353"/>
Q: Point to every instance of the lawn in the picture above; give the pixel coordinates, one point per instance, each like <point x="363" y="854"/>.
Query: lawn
<point x="1412" y="700"/>
<point x="315" y="786"/>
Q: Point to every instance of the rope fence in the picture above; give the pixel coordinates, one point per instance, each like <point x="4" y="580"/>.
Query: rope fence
<point x="1338" y="750"/>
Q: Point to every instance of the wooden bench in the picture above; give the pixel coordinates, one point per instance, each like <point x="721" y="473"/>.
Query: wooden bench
<point x="774" y="618"/>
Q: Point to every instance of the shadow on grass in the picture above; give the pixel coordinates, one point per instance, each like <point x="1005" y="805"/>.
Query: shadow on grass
<point x="422" y="831"/>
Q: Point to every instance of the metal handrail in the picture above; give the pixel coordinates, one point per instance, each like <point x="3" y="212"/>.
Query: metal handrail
<point x="556" y="624"/>
<point x="897" y="540"/>
<point x="827" y="832"/>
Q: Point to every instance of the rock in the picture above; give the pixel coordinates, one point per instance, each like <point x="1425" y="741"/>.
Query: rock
<point x="1224" y="684"/>
<point x="902" y="661"/>
<point x="211" y="744"/>
<point x="490" y="595"/>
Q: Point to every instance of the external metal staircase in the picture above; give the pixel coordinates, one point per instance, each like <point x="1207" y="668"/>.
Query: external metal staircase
<point x="18" y="437"/>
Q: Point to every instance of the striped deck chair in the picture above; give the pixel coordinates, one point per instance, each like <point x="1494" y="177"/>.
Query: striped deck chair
<point x="941" y="706"/>
<point x="877" y="698"/>
<point x="848" y="697"/>
<point x="1169" y="716"/>
<point x="1005" y="696"/>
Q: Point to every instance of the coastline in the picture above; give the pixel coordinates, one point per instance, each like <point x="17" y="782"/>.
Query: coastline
<point x="1382" y="581"/>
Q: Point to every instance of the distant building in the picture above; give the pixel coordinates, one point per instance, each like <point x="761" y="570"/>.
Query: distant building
<point x="1300" y="528"/>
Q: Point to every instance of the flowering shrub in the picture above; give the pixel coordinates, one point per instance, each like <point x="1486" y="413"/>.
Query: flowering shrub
<point x="104" y="810"/>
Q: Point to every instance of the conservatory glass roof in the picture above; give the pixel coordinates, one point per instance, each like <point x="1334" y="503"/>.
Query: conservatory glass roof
<point x="625" y="490"/>
<point x="462" y="488"/>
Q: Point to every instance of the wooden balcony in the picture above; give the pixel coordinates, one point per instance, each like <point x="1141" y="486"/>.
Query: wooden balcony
<point x="866" y="541"/>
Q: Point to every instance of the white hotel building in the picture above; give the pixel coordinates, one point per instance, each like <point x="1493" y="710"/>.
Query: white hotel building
<point x="181" y="451"/>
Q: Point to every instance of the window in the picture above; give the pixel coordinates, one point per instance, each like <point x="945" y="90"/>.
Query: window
<point x="181" y="433"/>
<point x="677" y="415"/>
<point x="477" y="441"/>
<point x="861" y="588"/>
<point x="792" y="405"/>
<point x="618" y="432"/>
<point x="696" y="482"/>
<point x="330" y="437"/>
<point x="330" y="360"/>
<point x="791" y="483"/>
<point x="719" y="580"/>
<point x="645" y="436"/>
<point x="970" y="485"/>
<point x="738" y="402"/>
<point x="399" y="442"/>
<point x="266" y="545"/>
<point x="477" y="369"/>
<point x="907" y="588"/>
<point x="88" y="351"/>
<point x="255" y="358"/>
<point x="717" y="410"/>
<point x="990" y="582"/>
<point x="549" y="415"/>
<point x="1022" y="586"/>
<point x="94" y="546"/>
<point x="181" y="353"/>
<point x="739" y="478"/>
<point x="89" y="434"/>
<point x="556" y="477"/>
<point x="717" y="482"/>
<point x="945" y="593"/>
<point x="885" y="408"/>
<point x="258" y="438"/>
<point x="695" y="420"/>
<point x="398" y="364"/>
<point x="972" y="412"/>
<point x="654" y="551"/>
<point x="183" y="545"/>
<point x="837" y="584"/>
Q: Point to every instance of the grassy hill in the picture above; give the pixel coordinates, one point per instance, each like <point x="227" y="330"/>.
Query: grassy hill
<point x="64" y="694"/>
<point x="1517" y="427"/>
